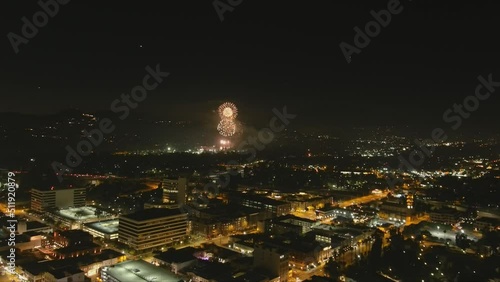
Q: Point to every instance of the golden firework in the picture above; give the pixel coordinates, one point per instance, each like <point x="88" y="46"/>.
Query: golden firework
<point x="226" y="127"/>
<point x="228" y="111"/>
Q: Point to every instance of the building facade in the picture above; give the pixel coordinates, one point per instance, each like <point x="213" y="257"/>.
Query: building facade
<point x="272" y="260"/>
<point x="274" y="207"/>
<point x="43" y="200"/>
<point x="174" y="191"/>
<point x="152" y="228"/>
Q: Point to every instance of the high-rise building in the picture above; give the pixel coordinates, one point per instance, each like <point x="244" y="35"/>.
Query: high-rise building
<point x="174" y="191"/>
<point x="152" y="228"/>
<point x="272" y="260"/>
<point x="43" y="200"/>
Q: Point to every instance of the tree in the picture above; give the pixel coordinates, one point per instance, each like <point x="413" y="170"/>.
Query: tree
<point x="461" y="241"/>
<point x="376" y="253"/>
<point x="332" y="268"/>
<point x="97" y="212"/>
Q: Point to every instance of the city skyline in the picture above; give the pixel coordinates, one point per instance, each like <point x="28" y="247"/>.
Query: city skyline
<point x="256" y="64"/>
<point x="243" y="141"/>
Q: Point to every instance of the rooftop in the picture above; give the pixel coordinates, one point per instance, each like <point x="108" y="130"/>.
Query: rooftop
<point x="288" y="217"/>
<point x="139" y="270"/>
<point x="177" y="256"/>
<point x="80" y="213"/>
<point x="107" y="226"/>
<point x="52" y="188"/>
<point x="211" y="271"/>
<point x="85" y="260"/>
<point x="68" y="271"/>
<point x="264" y="200"/>
<point x="35" y="225"/>
<point x="73" y="233"/>
<point x="152" y="214"/>
<point x="341" y="231"/>
<point x="488" y="220"/>
<point x="76" y="248"/>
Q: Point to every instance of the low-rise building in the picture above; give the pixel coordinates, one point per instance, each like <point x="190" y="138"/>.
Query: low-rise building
<point x="290" y="223"/>
<point x="77" y="250"/>
<point x="486" y="223"/>
<point x="444" y="216"/>
<point x="176" y="260"/>
<point x="272" y="260"/>
<point x="75" y="217"/>
<point x="67" y="238"/>
<point x="274" y="207"/>
<point x="70" y="274"/>
<point x="44" y="272"/>
<point x="136" y="271"/>
<point x="32" y="226"/>
<point x="107" y="229"/>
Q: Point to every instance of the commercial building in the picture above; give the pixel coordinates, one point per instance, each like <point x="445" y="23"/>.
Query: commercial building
<point x="176" y="260"/>
<point x="486" y="223"/>
<point x="71" y="238"/>
<point x="206" y="271"/>
<point x="290" y="223"/>
<point x="32" y="226"/>
<point x="396" y="211"/>
<point x="70" y="274"/>
<point x="38" y="272"/>
<point x="74" y="218"/>
<point x="444" y="215"/>
<point x="73" y="251"/>
<point x="224" y="219"/>
<point x="152" y="228"/>
<point x="107" y="229"/>
<point x="272" y="260"/>
<point x="46" y="199"/>
<point x="174" y="191"/>
<point x="304" y="201"/>
<point x="89" y="264"/>
<point x="137" y="271"/>
<point x="274" y="207"/>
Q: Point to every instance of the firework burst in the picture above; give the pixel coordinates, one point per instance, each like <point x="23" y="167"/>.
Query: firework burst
<point x="228" y="111"/>
<point x="226" y="127"/>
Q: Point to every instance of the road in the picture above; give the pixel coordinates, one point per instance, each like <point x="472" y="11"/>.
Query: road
<point x="18" y="211"/>
<point x="219" y="241"/>
<point x="355" y="201"/>
<point x="300" y="275"/>
<point x="482" y="212"/>
<point x="9" y="278"/>
<point x="346" y="259"/>
<point x="363" y="199"/>
<point x="418" y="220"/>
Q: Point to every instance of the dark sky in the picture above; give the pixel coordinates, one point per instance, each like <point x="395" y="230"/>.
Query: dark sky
<point x="264" y="54"/>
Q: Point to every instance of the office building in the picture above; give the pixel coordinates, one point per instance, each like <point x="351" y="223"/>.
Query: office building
<point x="46" y="199"/>
<point x="272" y="260"/>
<point x="274" y="207"/>
<point x="174" y="191"/>
<point x="152" y="228"/>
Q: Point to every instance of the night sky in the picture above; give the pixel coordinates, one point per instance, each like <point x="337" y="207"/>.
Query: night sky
<point x="264" y="54"/>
